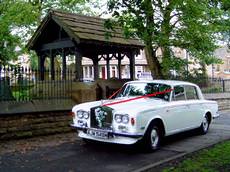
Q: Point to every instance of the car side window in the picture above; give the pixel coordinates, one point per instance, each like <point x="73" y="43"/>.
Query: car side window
<point x="178" y="93"/>
<point x="191" y="93"/>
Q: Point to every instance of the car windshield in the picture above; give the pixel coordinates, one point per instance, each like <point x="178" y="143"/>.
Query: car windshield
<point x="140" y="89"/>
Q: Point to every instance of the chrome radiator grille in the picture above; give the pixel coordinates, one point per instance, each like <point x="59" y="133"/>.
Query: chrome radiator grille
<point x="101" y="117"/>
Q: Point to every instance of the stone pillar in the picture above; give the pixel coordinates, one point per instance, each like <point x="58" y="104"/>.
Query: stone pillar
<point x="132" y="65"/>
<point x="83" y="72"/>
<point x="108" y="66"/>
<point x="95" y="67"/>
<point x="78" y="66"/>
<point x="63" y="65"/>
<point x="88" y="71"/>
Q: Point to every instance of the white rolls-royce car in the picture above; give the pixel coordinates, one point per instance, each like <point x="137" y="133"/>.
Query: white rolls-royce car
<point x="145" y="112"/>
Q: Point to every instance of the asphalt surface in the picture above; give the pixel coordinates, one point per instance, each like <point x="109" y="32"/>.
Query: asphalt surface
<point x="81" y="157"/>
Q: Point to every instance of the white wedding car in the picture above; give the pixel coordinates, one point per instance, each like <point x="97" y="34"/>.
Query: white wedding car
<point x="145" y="111"/>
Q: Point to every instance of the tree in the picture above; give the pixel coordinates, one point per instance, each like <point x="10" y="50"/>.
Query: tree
<point x="225" y="5"/>
<point x="74" y="6"/>
<point x="163" y="24"/>
<point x="13" y="14"/>
<point x="20" y="18"/>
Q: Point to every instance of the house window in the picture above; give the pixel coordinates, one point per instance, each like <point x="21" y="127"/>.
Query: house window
<point x="218" y="68"/>
<point x="227" y="70"/>
<point x="86" y="71"/>
<point x="113" y="71"/>
<point x="90" y="71"/>
<point x="141" y="56"/>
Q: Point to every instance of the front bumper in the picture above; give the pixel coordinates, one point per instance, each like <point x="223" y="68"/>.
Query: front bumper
<point x="217" y="115"/>
<point x="114" y="137"/>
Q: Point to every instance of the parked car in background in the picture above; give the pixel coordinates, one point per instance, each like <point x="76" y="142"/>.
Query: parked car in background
<point x="145" y="112"/>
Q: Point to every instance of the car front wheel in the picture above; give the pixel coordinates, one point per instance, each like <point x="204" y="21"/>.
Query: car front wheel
<point x="152" y="138"/>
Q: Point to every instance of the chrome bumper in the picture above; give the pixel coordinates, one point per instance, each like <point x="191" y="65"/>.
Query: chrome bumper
<point x="111" y="133"/>
<point x="217" y="115"/>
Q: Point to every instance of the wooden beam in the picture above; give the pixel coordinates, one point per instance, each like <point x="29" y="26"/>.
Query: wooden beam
<point x="52" y="69"/>
<point x="132" y="65"/>
<point x="57" y="45"/>
<point x="95" y="67"/>
<point x="78" y="66"/>
<point x="63" y="64"/>
<point x="41" y="67"/>
<point x="119" y="65"/>
<point x="108" y="66"/>
<point x="104" y="49"/>
<point x="67" y="29"/>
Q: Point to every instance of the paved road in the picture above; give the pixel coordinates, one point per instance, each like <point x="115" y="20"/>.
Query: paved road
<point x="80" y="157"/>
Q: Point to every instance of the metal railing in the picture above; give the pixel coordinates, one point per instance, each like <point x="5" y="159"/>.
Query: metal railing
<point x="208" y="84"/>
<point x="23" y="84"/>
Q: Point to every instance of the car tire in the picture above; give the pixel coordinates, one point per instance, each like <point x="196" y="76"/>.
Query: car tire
<point x="203" y="129"/>
<point x="152" y="138"/>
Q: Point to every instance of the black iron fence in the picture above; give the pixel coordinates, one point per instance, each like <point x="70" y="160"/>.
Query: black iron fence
<point x="208" y="84"/>
<point x="23" y="84"/>
<point x="215" y="85"/>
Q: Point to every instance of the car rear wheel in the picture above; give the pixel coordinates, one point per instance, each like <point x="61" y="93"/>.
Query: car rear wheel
<point x="204" y="125"/>
<point x="152" y="138"/>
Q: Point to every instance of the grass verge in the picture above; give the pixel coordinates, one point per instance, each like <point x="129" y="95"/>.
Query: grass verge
<point x="216" y="158"/>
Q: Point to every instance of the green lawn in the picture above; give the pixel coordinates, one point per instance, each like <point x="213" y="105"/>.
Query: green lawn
<point x="213" y="159"/>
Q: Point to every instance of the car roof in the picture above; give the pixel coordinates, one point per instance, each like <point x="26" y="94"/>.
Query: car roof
<point x="167" y="82"/>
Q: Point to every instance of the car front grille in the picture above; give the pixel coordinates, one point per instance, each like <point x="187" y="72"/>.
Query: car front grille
<point x="101" y="117"/>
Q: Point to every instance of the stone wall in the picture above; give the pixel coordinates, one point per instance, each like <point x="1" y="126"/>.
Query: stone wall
<point x="101" y="89"/>
<point x="84" y="92"/>
<point x="20" y="123"/>
<point x="223" y="100"/>
<point x="224" y="104"/>
<point x="13" y="126"/>
<point x="44" y="117"/>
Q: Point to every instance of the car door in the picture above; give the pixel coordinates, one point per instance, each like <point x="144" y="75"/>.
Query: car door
<point x="178" y="111"/>
<point x="196" y="109"/>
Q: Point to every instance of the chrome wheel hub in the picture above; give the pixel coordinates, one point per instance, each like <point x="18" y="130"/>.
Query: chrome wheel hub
<point x="154" y="138"/>
<point x="205" y="124"/>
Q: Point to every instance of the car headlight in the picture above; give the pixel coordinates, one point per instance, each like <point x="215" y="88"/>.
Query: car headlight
<point x="125" y="119"/>
<point x="118" y="118"/>
<point x="86" y="115"/>
<point x="80" y="114"/>
<point x="122" y="118"/>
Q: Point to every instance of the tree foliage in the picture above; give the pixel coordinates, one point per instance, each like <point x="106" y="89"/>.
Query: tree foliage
<point x="13" y="14"/>
<point x="225" y="6"/>
<point x="163" y="24"/>
<point x="20" y="18"/>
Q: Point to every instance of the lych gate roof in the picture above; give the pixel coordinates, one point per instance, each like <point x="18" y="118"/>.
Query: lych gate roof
<point x="63" y="34"/>
<point x="84" y="29"/>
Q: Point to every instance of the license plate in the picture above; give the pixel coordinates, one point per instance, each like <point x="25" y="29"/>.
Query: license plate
<point x="98" y="133"/>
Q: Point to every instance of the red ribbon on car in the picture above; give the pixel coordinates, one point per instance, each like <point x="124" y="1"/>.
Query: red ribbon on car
<point x="136" y="98"/>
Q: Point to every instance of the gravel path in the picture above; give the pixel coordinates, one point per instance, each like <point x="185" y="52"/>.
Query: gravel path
<point x="24" y="145"/>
